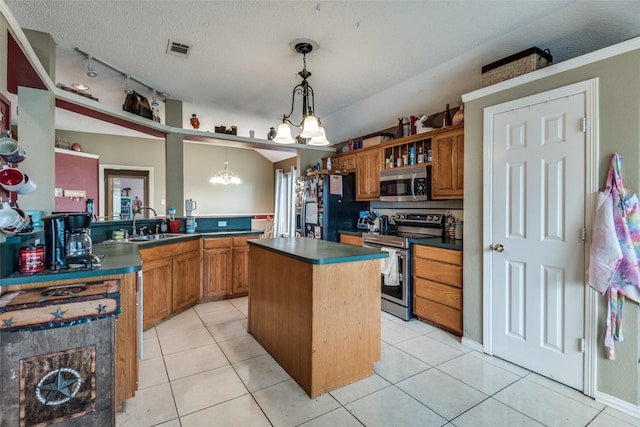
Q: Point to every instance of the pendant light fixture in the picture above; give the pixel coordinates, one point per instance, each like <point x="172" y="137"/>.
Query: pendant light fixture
<point x="225" y="176"/>
<point x="310" y="125"/>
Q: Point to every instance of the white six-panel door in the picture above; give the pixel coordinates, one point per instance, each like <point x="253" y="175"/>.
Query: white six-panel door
<point x="537" y="257"/>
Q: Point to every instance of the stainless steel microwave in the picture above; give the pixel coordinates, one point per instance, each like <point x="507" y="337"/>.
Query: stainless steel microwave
<point x="405" y="184"/>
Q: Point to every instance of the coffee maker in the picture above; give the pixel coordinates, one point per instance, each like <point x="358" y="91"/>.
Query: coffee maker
<point x="67" y="241"/>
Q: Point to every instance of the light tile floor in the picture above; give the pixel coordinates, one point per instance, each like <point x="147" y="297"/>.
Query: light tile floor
<point x="202" y="368"/>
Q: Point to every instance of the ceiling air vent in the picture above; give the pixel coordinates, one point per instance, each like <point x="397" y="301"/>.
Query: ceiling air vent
<point x="178" y="49"/>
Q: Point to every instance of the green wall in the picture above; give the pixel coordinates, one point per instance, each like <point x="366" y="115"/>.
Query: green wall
<point x="619" y="104"/>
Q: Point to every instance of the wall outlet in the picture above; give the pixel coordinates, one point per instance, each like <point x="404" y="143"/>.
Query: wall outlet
<point x="222" y="223"/>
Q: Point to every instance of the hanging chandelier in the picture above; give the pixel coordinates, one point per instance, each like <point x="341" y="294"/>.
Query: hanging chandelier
<point x="225" y="176"/>
<point x="310" y="125"/>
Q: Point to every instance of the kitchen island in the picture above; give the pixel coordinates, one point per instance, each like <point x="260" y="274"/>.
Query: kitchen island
<point x="314" y="306"/>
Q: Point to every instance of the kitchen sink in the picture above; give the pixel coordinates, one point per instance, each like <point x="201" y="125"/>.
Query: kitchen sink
<point x="152" y="237"/>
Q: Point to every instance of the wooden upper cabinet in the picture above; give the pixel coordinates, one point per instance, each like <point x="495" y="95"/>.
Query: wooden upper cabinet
<point x="447" y="170"/>
<point x="368" y="167"/>
<point x="345" y="162"/>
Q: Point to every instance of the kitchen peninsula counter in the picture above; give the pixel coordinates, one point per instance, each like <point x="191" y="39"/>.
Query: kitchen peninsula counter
<point x="118" y="259"/>
<point x="314" y="306"/>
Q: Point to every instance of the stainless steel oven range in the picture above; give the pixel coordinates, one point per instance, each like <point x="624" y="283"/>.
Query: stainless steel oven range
<point x="398" y="300"/>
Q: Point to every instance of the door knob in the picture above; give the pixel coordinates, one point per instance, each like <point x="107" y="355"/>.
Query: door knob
<point x="497" y="248"/>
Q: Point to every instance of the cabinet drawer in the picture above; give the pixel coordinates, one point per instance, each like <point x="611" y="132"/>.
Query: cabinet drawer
<point x="242" y="241"/>
<point x="438" y="271"/>
<point x="439" y="292"/>
<point x="218" y="242"/>
<point x="169" y="250"/>
<point x="349" y="239"/>
<point x="447" y="317"/>
<point x="450" y="256"/>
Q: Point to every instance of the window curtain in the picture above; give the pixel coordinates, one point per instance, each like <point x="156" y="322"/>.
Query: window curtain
<point x="284" y="213"/>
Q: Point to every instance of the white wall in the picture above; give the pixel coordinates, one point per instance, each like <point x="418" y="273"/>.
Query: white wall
<point x="253" y="196"/>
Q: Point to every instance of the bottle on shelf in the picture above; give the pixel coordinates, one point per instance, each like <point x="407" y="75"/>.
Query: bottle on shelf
<point x="412" y="156"/>
<point x="429" y="154"/>
<point x="420" y="155"/>
<point x="447" y="117"/>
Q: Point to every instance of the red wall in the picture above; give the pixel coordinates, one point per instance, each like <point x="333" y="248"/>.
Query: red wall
<point x="76" y="173"/>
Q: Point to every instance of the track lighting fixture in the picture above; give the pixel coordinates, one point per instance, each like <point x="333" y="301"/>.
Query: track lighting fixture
<point x="127" y="89"/>
<point x="90" y="71"/>
<point x="154" y="101"/>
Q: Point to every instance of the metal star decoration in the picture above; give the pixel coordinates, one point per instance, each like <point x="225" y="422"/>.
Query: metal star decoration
<point x="59" y="385"/>
<point x="58" y="314"/>
<point x="8" y="322"/>
<point x="101" y="308"/>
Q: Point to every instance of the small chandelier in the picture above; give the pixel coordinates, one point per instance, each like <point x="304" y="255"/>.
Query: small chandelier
<point x="225" y="176"/>
<point x="311" y="128"/>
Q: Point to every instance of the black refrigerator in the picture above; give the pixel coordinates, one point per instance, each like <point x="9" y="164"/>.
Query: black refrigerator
<point x="329" y="204"/>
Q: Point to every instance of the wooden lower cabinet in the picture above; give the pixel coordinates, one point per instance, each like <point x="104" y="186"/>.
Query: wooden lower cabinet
<point x="156" y="294"/>
<point x="225" y="266"/>
<point x="171" y="279"/>
<point x="240" y="266"/>
<point x="350" y="239"/>
<point x="186" y="280"/>
<point x="216" y="267"/>
<point x="437" y="287"/>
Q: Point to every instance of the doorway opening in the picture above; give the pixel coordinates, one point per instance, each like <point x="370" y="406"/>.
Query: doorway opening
<point x="123" y="189"/>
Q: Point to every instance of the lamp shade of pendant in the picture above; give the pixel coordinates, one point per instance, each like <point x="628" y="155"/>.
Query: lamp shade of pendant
<point x="284" y="135"/>
<point x="319" y="140"/>
<point x="310" y="128"/>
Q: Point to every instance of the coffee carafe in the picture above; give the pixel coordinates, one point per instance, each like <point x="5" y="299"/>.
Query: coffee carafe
<point x="78" y="242"/>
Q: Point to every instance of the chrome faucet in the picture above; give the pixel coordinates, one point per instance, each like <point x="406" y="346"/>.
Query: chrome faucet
<point x="137" y="211"/>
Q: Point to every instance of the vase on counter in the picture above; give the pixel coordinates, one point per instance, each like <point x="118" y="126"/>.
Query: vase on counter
<point x="458" y="117"/>
<point x="195" y="123"/>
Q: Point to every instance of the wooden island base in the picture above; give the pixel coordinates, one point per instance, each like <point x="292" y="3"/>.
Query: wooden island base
<point x="320" y="322"/>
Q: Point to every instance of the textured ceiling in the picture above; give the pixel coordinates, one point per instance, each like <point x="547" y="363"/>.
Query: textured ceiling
<point x="241" y="69"/>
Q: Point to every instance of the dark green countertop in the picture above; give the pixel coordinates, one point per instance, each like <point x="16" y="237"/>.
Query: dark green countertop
<point x="439" y="242"/>
<point x="120" y="257"/>
<point x="316" y="251"/>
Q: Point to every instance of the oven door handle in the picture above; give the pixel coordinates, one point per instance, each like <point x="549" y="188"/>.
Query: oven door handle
<point x="413" y="186"/>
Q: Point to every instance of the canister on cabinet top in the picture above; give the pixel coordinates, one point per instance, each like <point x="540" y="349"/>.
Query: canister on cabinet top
<point x="31" y="259"/>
